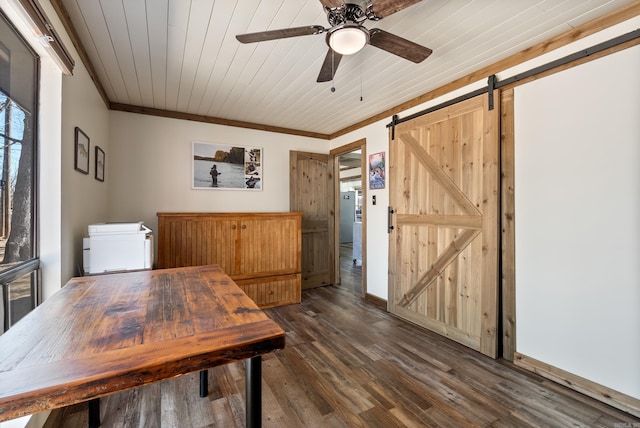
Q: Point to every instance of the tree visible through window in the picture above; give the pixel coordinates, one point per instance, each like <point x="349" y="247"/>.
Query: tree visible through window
<point x="18" y="249"/>
<point x="16" y="158"/>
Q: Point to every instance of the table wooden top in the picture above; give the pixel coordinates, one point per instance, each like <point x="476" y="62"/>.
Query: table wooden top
<point x="102" y="334"/>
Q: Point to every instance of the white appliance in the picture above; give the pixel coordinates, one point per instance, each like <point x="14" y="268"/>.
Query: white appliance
<point x="113" y="247"/>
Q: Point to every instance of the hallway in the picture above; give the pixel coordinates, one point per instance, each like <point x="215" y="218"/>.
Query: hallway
<point x="350" y="273"/>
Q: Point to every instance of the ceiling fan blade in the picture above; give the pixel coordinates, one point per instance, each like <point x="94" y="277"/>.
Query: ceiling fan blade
<point x="384" y="8"/>
<point x="398" y="46"/>
<point x="329" y="66"/>
<point x="331" y="4"/>
<point x="263" y="36"/>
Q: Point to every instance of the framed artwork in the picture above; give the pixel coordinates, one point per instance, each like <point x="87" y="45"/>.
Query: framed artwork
<point x="99" y="164"/>
<point x="226" y="167"/>
<point x="81" y="156"/>
<point x="376" y="171"/>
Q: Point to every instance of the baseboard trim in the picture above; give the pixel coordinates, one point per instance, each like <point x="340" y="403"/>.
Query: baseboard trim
<point x="376" y="301"/>
<point x="587" y="387"/>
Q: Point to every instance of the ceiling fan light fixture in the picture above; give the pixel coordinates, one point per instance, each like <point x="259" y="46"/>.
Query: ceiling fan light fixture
<point x="348" y="39"/>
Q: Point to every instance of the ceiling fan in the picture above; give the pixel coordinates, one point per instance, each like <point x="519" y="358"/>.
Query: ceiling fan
<point x="347" y="34"/>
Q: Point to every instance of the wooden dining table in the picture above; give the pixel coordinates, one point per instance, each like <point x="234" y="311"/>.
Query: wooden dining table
<point x="102" y="334"/>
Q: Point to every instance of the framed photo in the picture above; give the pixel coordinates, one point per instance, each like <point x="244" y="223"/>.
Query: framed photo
<point x="81" y="157"/>
<point x="376" y="171"/>
<point x="231" y="167"/>
<point x="99" y="164"/>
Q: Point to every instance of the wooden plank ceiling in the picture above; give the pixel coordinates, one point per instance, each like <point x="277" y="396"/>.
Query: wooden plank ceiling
<point x="182" y="55"/>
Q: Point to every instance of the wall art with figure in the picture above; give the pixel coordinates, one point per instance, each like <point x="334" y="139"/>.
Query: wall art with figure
<point x="376" y="171"/>
<point x="231" y="167"/>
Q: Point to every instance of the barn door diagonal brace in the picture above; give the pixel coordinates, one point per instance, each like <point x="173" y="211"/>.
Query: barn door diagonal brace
<point x="435" y="270"/>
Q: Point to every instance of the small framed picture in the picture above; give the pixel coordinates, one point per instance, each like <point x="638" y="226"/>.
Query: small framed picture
<point x="376" y="171"/>
<point x="81" y="157"/>
<point x="99" y="164"/>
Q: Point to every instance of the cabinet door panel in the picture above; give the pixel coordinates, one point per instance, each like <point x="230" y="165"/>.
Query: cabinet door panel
<point x="197" y="241"/>
<point x="269" y="246"/>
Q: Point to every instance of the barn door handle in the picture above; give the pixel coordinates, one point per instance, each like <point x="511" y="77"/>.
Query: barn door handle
<point x="389" y="225"/>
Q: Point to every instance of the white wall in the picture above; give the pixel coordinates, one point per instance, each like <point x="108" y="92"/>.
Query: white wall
<point x="577" y="151"/>
<point x="149" y="168"/>
<point x="50" y="185"/>
<point x="84" y="199"/>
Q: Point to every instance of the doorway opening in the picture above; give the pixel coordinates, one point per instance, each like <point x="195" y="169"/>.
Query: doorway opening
<point x="350" y="230"/>
<point x="350" y="211"/>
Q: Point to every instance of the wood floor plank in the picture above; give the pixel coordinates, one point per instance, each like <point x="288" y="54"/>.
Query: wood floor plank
<point x="347" y="363"/>
<point x="286" y="390"/>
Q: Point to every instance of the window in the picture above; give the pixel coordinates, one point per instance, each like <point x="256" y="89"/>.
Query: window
<point x="18" y="169"/>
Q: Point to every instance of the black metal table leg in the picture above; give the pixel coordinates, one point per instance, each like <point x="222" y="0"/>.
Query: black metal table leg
<point x="254" y="392"/>
<point x="204" y="383"/>
<point x="94" y="413"/>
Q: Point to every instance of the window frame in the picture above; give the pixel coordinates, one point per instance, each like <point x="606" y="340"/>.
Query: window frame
<point x="30" y="266"/>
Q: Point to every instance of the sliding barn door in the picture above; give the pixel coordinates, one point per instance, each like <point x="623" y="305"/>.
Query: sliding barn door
<point x="443" y="248"/>
<point x="311" y="188"/>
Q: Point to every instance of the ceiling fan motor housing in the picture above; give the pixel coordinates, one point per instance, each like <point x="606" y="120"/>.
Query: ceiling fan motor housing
<point x="353" y="11"/>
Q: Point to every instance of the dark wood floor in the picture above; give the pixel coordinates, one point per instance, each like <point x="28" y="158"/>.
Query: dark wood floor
<point x="349" y="364"/>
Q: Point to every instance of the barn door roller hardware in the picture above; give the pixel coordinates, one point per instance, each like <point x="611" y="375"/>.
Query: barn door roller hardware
<point x="394" y="120"/>
<point x="491" y="86"/>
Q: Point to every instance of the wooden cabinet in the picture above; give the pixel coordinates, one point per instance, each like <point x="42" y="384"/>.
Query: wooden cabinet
<point x="261" y="252"/>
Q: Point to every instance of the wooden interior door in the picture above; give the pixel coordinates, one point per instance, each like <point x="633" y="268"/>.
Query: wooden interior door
<point x="312" y="192"/>
<point x="443" y="249"/>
